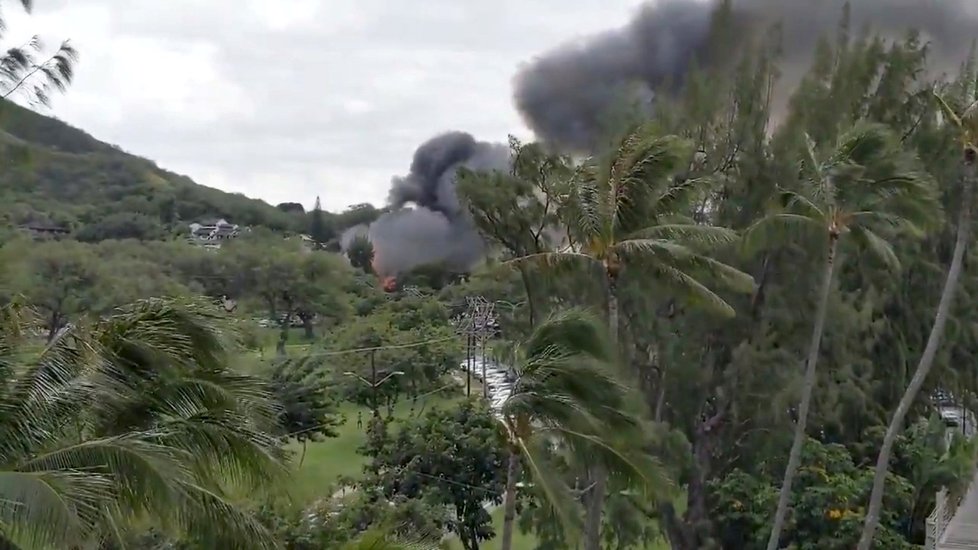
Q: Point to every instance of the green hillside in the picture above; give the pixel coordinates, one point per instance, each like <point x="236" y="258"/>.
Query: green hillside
<point x="57" y="174"/>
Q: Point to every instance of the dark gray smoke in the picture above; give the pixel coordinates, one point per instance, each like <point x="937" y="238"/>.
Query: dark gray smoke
<point x="566" y="94"/>
<point x="427" y="224"/>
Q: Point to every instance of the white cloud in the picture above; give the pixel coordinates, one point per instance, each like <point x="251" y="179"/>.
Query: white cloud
<point x="289" y="99"/>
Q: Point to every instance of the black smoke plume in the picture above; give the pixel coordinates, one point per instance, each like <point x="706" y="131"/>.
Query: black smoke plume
<point x="565" y="95"/>
<point x="427" y="224"/>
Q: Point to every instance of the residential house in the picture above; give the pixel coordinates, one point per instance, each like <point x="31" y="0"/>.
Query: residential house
<point x="210" y="233"/>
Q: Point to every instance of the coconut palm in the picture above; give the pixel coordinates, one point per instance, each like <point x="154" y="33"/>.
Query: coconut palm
<point x="864" y="188"/>
<point x="628" y="209"/>
<point x="966" y="127"/>
<point x="565" y="393"/>
<point x="133" y="418"/>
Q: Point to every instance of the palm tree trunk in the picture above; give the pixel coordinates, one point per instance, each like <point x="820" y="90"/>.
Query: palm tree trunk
<point x="794" y="458"/>
<point x="509" y="499"/>
<point x="527" y="288"/>
<point x="594" y="507"/>
<point x="926" y="359"/>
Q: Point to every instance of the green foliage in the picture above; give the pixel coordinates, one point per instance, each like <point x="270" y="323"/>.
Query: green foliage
<point x="125" y="420"/>
<point x="308" y="411"/>
<point x="361" y="254"/>
<point x="319" y="229"/>
<point x="122" y="225"/>
<point x="421" y="344"/>
<point x="448" y="457"/>
<point x="829" y="494"/>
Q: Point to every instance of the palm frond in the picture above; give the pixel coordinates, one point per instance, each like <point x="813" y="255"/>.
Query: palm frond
<point x="643" y="161"/>
<point x="224" y="446"/>
<point x="51" y="509"/>
<point x="700" y="237"/>
<point x="694" y="291"/>
<point x="551" y="260"/>
<point x="590" y="212"/>
<point x="574" y="332"/>
<point x="949" y="113"/>
<point x="545" y="479"/>
<point x="878" y="246"/>
<point x="382" y="538"/>
<point x="212" y="521"/>
<point x="141" y="473"/>
<point x="664" y="252"/>
<point x="619" y="459"/>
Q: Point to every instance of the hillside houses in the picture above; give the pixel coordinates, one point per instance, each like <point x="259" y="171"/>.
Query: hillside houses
<point x="211" y="233"/>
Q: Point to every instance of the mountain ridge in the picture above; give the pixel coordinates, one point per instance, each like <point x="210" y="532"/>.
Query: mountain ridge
<point x="62" y="175"/>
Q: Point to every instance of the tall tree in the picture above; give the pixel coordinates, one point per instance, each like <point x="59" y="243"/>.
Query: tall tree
<point x="319" y="228"/>
<point x="865" y="187"/>
<point x="964" y="123"/>
<point x="518" y="210"/>
<point x="629" y="209"/>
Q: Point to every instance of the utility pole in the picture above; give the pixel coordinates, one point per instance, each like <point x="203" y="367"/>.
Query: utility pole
<point x="476" y="323"/>
<point x="468" y="363"/>
<point x="373" y="382"/>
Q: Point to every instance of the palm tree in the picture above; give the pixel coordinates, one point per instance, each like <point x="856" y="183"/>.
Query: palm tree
<point x="966" y="126"/>
<point x="864" y="188"/>
<point x="565" y="393"/>
<point x="629" y="209"/>
<point x="26" y="70"/>
<point x="133" y="418"/>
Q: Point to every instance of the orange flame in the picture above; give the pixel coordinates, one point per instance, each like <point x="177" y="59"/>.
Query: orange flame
<point x="390" y="283"/>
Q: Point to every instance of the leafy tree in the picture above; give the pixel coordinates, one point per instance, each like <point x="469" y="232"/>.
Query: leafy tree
<point x="361" y="254"/>
<point x="518" y="211"/>
<point x="319" y="228"/>
<point x="448" y="457"/>
<point x="288" y="281"/>
<point x="308" y="411"/>
<point x="827" y="515"/>
<point x="59" y="278"/>
<point x="864" y="184"/>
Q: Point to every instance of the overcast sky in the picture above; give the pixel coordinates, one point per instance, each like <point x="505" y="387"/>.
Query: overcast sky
<point x="288" y="99"/>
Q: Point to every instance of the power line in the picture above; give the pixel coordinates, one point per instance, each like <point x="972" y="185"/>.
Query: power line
<point x="377" y="348"/>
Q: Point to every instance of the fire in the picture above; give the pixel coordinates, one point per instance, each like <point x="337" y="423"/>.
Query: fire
<point x="389" y="283"/>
